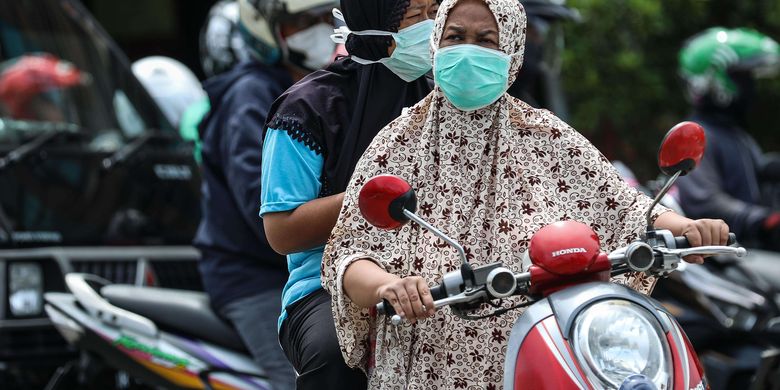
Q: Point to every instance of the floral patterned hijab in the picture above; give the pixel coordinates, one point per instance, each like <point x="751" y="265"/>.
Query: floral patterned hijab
<point x="488" y="178"/>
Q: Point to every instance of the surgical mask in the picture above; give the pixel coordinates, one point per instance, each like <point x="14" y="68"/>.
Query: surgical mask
<point x="315" y="45"/>
<point x="411" y="57"/>
<point x="471" y="76"/>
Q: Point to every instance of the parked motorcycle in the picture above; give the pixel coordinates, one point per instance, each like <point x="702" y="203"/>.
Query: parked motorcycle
<point x="152" y="336"/>
<point x="580" y="331"/>
<point x="728" y="307"/>
<point x="732" y="317"/>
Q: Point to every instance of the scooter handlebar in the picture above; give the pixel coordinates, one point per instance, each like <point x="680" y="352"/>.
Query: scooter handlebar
<point x="629" y="258"/>
<point x="497" y="286"/>
<point x="682" y="241"/>
<point x="639" y="256"/>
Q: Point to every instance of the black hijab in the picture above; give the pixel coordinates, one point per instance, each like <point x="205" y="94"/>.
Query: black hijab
<point x="337" y="111"/>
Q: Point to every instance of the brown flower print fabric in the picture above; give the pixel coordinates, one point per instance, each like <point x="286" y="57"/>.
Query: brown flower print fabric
<point x="489" y="178"/>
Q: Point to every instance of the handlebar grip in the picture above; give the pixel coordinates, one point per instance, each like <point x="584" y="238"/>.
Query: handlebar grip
<point x="682" y="241"/>
<point x="384" y="307"/>
<point x="437" y="292"/>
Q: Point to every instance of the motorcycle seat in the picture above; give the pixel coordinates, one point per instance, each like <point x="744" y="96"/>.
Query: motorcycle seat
<point x="180" y="311"/>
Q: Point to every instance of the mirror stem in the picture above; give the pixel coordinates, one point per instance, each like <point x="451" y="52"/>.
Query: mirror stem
<point x="649" y="214"/>
<point x="466" y="270"/>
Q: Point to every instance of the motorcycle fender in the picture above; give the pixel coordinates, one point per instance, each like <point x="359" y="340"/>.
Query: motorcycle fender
<point x="57" y="308"/>
<point x="67" y="316"/>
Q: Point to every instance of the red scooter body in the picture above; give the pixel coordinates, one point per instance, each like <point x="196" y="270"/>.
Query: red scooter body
<point x="545" y="360"/>
<point x="541" y="353"/>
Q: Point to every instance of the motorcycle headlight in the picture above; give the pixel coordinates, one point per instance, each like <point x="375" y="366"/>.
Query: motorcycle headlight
<point x="25" y="292"/>
<point x="615" y="339"/>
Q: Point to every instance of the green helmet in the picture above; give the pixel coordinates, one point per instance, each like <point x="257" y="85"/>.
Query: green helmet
<point x="707" y="58"/>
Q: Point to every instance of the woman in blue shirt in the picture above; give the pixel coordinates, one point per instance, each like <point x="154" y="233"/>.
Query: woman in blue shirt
<point x="317" y="131"/>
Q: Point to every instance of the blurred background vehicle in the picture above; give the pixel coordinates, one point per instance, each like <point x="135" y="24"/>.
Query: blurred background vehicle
<point x="141" y="337"/>
<point x="94" y="178"/>
<point x="539" y="81"/>
<point x="729" y="308"/>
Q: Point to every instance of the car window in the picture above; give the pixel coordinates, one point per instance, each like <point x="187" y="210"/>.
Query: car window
<point x="58" y="66"/>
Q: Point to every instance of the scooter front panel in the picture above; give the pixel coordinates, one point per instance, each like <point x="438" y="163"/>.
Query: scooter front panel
<point x="536" y="340"/>
<point x="688" y="374"/>
<point x="539" y="355"/>
<point x="545" y="361"/>
<point x="568" y="303"/>
<point x="523" y="325"/>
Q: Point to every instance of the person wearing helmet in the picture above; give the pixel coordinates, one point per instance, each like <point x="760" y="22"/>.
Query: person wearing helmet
<point x="314" y="136"/>
<point x="171" y="84"/>
<point x="538" y="81"/>
<point x="241" y="273"/>
<point x="720" y="67"/>
<point x="176" y="90"/>
<point x="221" y="45"/>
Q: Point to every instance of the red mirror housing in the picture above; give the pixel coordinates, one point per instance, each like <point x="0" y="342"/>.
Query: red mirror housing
<point x="682" y="148"/>
<point x="384" y="198"/>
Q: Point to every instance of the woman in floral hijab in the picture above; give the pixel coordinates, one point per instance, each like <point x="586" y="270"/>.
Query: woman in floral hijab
<point x="489" y="172"/>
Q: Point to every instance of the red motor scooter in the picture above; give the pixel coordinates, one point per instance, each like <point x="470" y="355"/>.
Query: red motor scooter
<point x="580" y="331"/>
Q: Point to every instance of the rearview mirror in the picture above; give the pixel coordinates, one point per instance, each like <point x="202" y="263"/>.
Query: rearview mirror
<point x="383" y="199"/>
<point x="682" y="148"/>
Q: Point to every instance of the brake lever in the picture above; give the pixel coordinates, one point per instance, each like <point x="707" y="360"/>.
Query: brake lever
<point x="464" y="297"/>
<point x="704" y="250"/>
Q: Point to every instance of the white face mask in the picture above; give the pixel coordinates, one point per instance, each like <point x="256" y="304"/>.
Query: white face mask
<point x="411" y="57"/>
<point x="315" y="44"/>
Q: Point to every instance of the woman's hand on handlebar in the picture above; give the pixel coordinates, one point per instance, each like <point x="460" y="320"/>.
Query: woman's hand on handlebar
<point x="699" y="232"/>
<point x="704" y="232"/>
<point x="410" y="297"/>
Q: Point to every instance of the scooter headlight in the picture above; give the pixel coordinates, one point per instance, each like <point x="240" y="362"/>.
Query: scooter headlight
<point x="615" y="339"/>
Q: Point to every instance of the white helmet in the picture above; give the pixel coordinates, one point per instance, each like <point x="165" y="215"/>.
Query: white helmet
<point x="171" y="84"/>
<point x="259" y="22"/>
<point x="221" y="45"/>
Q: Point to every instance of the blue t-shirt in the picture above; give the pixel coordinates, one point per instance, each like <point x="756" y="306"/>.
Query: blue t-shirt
<point x="291" y="177"/>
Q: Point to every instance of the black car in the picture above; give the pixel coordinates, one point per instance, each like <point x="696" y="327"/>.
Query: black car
<point x="93" y="178"/>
